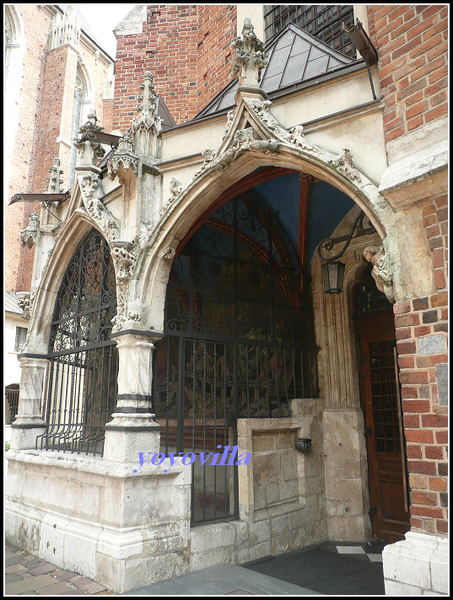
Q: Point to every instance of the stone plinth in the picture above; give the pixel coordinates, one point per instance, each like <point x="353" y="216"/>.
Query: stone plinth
<point x="100" y="519"/>
<point x="418" y="565"/>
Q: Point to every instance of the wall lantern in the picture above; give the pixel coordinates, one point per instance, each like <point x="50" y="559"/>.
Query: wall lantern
<point x="333" y="273"/>
<point x="332" y="268"/>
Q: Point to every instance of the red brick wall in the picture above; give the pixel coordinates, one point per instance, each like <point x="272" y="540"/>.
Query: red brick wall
<point x="45" y="113"/>
<point x="186" y="48"/>
<point x="57" y="111"/>
<point x="217" y="29"/>
<point x="425" y="418"/>
<point x="18" y="259"/>
<point x="412" y="44"/>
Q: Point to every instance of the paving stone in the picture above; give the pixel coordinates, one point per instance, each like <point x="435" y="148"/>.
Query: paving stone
<point x="12" y="577"/>
<point x="80" y="581"/>
<point x="29" y="584"/>
<point x="56" y="589"/>
<point x="17" y="568"/>
<point x="93" y="587"/>
<point x="62" y="575"/>
<point x="42" y="569"/>
<point x="12" y="561"/>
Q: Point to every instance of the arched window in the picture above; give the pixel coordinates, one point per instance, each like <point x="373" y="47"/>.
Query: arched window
<point x="81" y="391"/>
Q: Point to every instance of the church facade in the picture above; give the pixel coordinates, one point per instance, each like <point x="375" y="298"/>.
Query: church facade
<point x="238" y="336"/>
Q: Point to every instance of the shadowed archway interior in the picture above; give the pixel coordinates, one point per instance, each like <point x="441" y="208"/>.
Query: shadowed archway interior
<point x="239" y="338"/>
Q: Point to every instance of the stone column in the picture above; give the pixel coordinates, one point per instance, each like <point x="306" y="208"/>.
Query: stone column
<point x="133" y="429"/>
<point x="29" y="424"/>
<point x="345" y="460"/>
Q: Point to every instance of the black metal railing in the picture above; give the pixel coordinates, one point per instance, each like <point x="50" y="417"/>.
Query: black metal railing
<point x="80" y="398"/>
<point x="201" y="388"/>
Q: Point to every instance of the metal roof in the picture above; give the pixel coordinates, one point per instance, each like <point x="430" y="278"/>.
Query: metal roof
<point x="11" y="304"/>
<point x="295" y="57"/>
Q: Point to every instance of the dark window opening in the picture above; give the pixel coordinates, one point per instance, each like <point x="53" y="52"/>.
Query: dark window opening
<point x="21" y="336"/>
<point x="320" y="20"/>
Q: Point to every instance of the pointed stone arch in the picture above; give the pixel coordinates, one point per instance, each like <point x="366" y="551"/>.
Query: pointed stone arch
<point x="238" y="156"/>
<point x="70" y="236"/>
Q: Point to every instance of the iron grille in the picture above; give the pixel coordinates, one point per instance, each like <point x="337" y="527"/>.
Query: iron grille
<point x="11" y="403"/>
<point x="238" y="343"/>
<point x="83" y="362"/>
<point x="320" y="20"/>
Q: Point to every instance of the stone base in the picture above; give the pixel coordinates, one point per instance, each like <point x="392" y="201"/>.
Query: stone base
<point x="98" y="518"/>
<point x="346" y="475"/>
<point x="125" y="437"/>
<point x="24" y="437"/>
<point x="417" y="565"/>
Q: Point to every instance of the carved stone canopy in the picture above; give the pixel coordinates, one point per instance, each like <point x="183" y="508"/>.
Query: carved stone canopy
<point x="90" y="151"/>
<point x="29" y="235"/>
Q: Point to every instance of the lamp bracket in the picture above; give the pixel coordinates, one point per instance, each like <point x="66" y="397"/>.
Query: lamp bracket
<point x="328" y="243"/>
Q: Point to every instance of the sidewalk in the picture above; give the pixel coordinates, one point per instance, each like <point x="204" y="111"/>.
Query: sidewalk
<point x="27" y="575"/>
<point x="328" y="568"/>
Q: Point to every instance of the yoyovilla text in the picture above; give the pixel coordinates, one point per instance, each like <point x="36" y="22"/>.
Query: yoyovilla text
<point x="187" y="458"/>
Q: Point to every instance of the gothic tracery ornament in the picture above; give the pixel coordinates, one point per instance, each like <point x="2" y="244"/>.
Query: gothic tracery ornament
<point x="124" y="259"/>
<point x="343" y="163"/>
<point x="25" y="301"/>
<point x="91" y="195"/>
<point x="123" y="158"/>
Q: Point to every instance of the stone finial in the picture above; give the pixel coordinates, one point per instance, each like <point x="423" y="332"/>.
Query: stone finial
<point x="29" y="235"/>
<point x="54" y="180"/>
<point x="147" y="100"/>
<point x="91" y="124"/>
<point x="147" y="126"/>
<point x="250" y="57"/>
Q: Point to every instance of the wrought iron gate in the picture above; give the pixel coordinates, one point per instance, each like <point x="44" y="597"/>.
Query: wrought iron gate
<point x="238" y="344"/>
<point x="83" y="361"/>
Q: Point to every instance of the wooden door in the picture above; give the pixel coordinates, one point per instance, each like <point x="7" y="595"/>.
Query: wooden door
<point x="380" y="399"/>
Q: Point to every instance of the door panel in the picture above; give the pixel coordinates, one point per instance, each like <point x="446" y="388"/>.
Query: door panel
<point x="381" y="404"/>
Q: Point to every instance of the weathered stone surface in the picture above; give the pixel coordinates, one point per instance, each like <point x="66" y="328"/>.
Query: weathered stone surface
<point x="442" y="376"/>
<point x="434" y="344"/>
